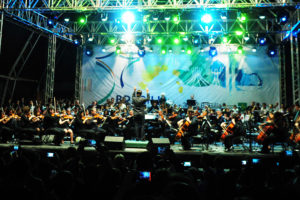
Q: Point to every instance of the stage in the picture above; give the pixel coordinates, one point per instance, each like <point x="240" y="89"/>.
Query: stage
<point x="198" y="152"/>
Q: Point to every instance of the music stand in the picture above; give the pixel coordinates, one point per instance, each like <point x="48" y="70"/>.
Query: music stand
<point x="191" y="102"/>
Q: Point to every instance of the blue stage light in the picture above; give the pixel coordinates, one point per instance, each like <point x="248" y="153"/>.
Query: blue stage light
<point x="89" y="51"/>
<point x="141" y="52"/>
<point x="213" y="51"/>
<point x="262" y="40"/>
<point x="128" y="17"/>
<point x="206" y="18"/>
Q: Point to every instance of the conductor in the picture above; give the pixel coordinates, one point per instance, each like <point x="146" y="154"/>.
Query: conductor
<point x="139" y="112"/>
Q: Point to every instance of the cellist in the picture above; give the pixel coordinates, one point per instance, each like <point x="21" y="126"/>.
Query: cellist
<point x="233" y="131"/>
<point x="187" y="128"/>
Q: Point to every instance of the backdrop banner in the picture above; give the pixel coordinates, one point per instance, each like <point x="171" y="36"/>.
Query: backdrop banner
<point x="228" y="77"/>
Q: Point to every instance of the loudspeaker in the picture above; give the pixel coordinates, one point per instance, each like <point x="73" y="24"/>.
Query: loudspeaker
<point x="157" y="143"/>
<point x="114" y="143"/>
<point x="47" y="139"/>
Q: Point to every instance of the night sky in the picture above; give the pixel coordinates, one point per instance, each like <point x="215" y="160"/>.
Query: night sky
<point x="14" y="39"/>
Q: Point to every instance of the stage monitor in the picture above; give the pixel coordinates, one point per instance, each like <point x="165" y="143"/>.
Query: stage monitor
<point x="114" y="143"/>
<point x="191" y="102"/>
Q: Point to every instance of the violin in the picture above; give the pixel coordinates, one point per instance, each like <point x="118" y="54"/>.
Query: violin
<point x="184" y="127"/>
<point x="227" y="131"/>
<point x="55" y="115"/>
<point x="173" y="116"/>
<point x="264" y="133"/>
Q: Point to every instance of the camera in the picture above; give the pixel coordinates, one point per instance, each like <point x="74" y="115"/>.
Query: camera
<point x="244" y="162"/>
<point x="255" y="160"/>
<point x="144" y="175"/>
<point x="187" y="164"/>
<point x="92" y="142"/>
<point x="50" y="154"/>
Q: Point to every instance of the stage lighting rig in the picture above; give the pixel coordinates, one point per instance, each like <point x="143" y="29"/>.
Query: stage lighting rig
<point x="213" y="51"/>
<point x="89" y="50"/>
<point x="196" y="40"/>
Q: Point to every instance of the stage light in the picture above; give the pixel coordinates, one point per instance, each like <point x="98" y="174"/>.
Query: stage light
<point x="167" y="16"/>
<point x="223" y="15"/>
<point x="163" y="50"/>
<point x="159" y="40"/>
<point x="82" y="20"/>
<point x="225" y="39"/>
<point x="206" y="18"/>
<point x="170" y="50"/>
<point x="272" y="51"/>
<point x="253" y="49"/>
<point x="185" y="38"/>
<point x="239" y="33"/>
<point x="242" y="17"/>
<point x="282" y="17"/>
<point x="67" y="19"/>
<point x="262" y="17"/>
<point x="176" y="40"/>
<point x="196" y="40"/>
<point x="128" y="17"/>
<point x="155" y="16"/>
<point x="189" y="51"/>
<point x="104" y="17"/>
<point x="112" y="40"/>
<point x="182" y="50"/>
<point x="240" y="50"/>
<point x="103" y="50"/>
<point x="262" y="40"/>
<point x="139" y="41"/>
<point x="89" y="51"/>
<point x="246" y="37"/>
<point x="118" y="50"/>
<point x="50" y="23"/>
<point x="141" y="52"/>
<point x="77" y="39"/>
<point x="90" y="39"/>
<point x="176" y="19"/>
<point x="213" y="51"/>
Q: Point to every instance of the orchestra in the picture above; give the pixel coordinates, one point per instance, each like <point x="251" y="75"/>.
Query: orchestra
<point x="162" y="119"/>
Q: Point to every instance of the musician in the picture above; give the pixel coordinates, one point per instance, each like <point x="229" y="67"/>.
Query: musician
<point x="113" y="122"/>
<point x="51" y="125"/>
<point x="27" y="128"/>
<point x="139" y="112"/>
<point x="192" y="129"/>
<point x="237" y="130"/>
<point x="129" y="126"/>
<point x="6" y="132"/>
<point x="162" y="99"/>
<point x="65" y="122"/>
<point x="278" y="133"/>
<point x="154" y="107"/>
<point x="95" y="122"/>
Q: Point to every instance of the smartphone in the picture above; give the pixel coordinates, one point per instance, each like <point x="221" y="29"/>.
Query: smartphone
<point x="255" y="160"/>
<point x="92" y="142"/>
<point x="288" y="153"/>
<point x="144" y="176"/>
<point x="187" y="164"/>
<point x="50" y="154"/>
<point x="244" y="162"/>
<point x="161" y="150"/>
<point x="16" y="147"/>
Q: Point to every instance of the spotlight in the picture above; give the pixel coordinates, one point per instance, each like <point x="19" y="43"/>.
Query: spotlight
<point x="82" y="20"/>
<point x="225" y="39"/>
<point x="141" y="52"/>
<point x="112" y="40"/>
<point x="189" y="51"/>
<point x="104" y="17"/>
<point x="196" y="40"/>
<point x="77" y="39"/>
<point x="272" y="51"/>
<point x="67" y="19"/>
<point x="246" y="37"/>
<point x="262" y="40"/>
<point x="253" y="49"/>
<point x="167" y="16"/>
<point x="89" y="51"/>
<point x="242" y="17"/>
<point x="176" y="19"/>
<point x="51" y="23"/>
<point x="182" y="49"/>
<point x="283" y="17"/>
<point x="206" y="18"/>
<point x="223" y="15"/>
<point x="118" y="50"/>
<point x="185" y="38"/>
<point x="240" y="49"/>
<point x="163" y="50"/>
<point x="155" y="16"/>
<point x="170" y="50"/>
<point x="262" y="17"/>
<point x="159" y="40"/>
<point x="128" y="17"/>
<point x="213" y="51"/>
<point x="139" y="42"/>
<point x="176" y="40"/>
<point x="239" y="33"/>
<point x="90" y="39"/>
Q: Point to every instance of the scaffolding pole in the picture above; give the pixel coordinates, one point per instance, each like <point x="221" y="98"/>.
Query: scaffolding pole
<point x="78" y="74"/>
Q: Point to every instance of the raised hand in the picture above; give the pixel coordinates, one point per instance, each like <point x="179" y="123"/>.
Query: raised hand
<point x="147" y="90"/>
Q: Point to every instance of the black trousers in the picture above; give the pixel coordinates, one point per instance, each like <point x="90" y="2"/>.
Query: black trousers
<point x="230" y="140"/>
<point x="139" y="127"/>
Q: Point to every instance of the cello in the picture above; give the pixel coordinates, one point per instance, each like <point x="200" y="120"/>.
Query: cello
<point x="264" y="133"/>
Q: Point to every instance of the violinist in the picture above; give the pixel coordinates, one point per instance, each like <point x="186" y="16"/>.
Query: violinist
<point x="27" y="128"/>
<point x="128" y="131"/>
<point x="5" y="131"/>
<point x="154" y="107"/>
<point x="113" y="122"/>
<point x="233" y="131"/>
<point x="295" y="136"/>
<point x="192" y="127"/>
<point x="279" y="132"/>
<point x="65" y="121"/>
<point x="220" y="120"/>
<point x="94" y="122"/>
<point x="51" y="125"/>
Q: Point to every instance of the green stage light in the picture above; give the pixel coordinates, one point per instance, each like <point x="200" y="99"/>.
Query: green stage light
<point x="176" y="19"/>
<point x="225" y="39"/>
<point x="112" y="40"/>
<point x="82" y="20"/>
<point x="176" y="40"/>
<point x="189" y="51"/>
<point x="239" y="33"/>
<point x="240" y="50"/>
<point x="118" y="50"/>
<point x="163" y="51"/>
<point x="159" y="40"/>
<point x="243" y="17"/>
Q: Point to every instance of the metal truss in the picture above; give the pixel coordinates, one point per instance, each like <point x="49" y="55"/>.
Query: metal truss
<point x="36" y="20"/>
<point x="50" y="70"/>
<point x="78" y="74"/>
<point x="101" y="31"/>
<point x="99" y="5"/>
